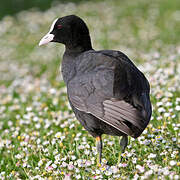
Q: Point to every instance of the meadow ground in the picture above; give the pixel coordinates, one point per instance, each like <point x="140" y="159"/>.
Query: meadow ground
<point x="39" y="135"/>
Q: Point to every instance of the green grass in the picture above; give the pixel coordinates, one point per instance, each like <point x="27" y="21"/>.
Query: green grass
<point x="39" y="135"/>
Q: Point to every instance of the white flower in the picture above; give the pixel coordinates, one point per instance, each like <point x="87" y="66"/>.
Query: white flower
<point x="147" y="142"/>
<point x="159" y="103"/>
<point x="78" y="134"/>
<point x="87" y="146"/>
<point x="29" y="109"/>
<point x="37" y="177"/>
<point x="57" y="157"/>
<point x="134" y="160"/>
<point x="70" y="167"/>
<point x="38" y="125"/>
<point x="71" y="126"/>
<point x="159" y="117"/>
<point x="40" y="163"/>
<point x="78" y="176"/>
<point x="86" y="152"/>
<point x="166" y="114"/>
<point x="24" y="164"/>
<point x="62" y="137"/>
<point x="35" y="119"/>
<point x="80" y="162"/>
<point x="55" y="152"/>
<point x="166" y="172"/>
<point x="172" y="163"/>
<point x="176" y="128"/>
<point x="176" y="177"/>
<point x="173" y="116"/>
<point x="177" y="108"/>
<point x="171" y="109"/>
<point x="108" y="173"/>
<point x="54" y="166"/>
<point x="64" y="158"/>
<point x="45" y="143"/>
<point x="136" y="177"/>
<point x="67" y="177"/>
<point x="145" y="131"/>
<point x="38" y="141"/>
<point x="64" y="164"/>
<point x="77" y="170"/>
<point x="110" y="143"/>
<point x="129" y="154"/>
<point x="104" y="161"/>
<point x="116" y="176"/>
<point x="98" y="171"/>
<point x="10" y="123"/>
<point x="161" y="109"/>
<point x="168" y="94"/>
<point x="177" y="99"/>
<point x="140" y="168"/>
<point x="52" y="91"/>
<point x="73" y="157"/>
<point x="88" y="163"/>
<point x="114" y="169"/>
<point x="48" y="163"/>
<point x="81" y="147"/>
<point x="168" y="104"/>
<point x="58" y="135"/>
<point x="148" y="173"/>
<point x="18" y="156"/>
<point x="159" y="137"/>
<point x="151" y="155"/>
<point x="53" y="141"/>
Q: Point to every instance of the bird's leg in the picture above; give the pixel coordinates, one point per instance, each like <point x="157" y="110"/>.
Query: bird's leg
<point x="99" y="149"/>
<point x="123" y="144"/>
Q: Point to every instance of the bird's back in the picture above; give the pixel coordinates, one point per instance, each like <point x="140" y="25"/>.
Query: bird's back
<point x="109" y="75"/>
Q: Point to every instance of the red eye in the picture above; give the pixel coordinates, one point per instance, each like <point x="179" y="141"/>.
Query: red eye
<point x="59" y="26"/>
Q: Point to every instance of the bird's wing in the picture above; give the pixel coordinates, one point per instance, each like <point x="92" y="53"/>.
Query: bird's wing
<point x="106" y="89"/>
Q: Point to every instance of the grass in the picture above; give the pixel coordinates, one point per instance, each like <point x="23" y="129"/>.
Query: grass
<point x="39" y="135"/>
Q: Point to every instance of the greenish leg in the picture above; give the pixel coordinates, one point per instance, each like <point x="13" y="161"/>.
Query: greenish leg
<point x="123" y="144"/>
<point x="99" y="149"/>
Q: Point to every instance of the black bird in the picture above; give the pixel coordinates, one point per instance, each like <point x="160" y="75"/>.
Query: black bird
<point x="106" y="91"/>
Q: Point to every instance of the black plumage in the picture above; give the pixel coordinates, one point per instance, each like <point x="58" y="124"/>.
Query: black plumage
<point x="106" y="91"/>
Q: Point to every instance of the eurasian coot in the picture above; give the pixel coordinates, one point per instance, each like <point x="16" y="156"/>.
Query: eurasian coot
<point x="106" y="91"/>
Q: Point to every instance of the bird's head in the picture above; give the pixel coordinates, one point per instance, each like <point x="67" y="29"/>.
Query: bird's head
<point x="68" y="30"/>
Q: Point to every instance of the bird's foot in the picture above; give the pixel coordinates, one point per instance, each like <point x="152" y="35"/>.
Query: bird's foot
<point x="123" y="144"/>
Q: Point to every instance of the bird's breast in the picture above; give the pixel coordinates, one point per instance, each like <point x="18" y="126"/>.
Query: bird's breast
<point x="67" y="68"/>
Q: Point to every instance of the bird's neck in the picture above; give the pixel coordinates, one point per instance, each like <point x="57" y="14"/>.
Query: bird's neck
<point x="72" y="50"/>
<point x="79" y="45"/>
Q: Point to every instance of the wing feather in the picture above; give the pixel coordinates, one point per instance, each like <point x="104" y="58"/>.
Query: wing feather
<point x="124" y="110"/>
